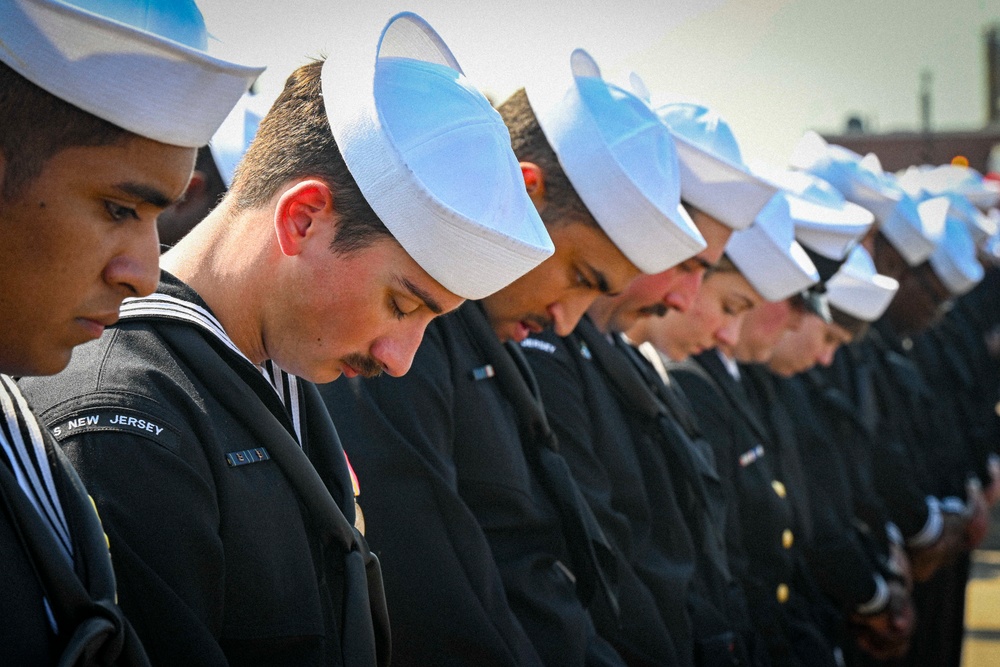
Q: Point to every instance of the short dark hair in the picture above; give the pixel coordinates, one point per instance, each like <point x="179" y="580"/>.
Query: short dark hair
<point x="35" y="125"/>
<point x="853" y="325"/>
<point x="562" y="202"/>
<point x="294" y="141"/>
<point x="724" y="265"/>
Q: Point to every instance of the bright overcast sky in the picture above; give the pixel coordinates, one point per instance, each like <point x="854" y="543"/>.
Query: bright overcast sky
<point x="773" y="68"/>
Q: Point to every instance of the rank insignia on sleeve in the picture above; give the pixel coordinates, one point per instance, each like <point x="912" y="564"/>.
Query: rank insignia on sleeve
<point x="245" y="456"/>
<point x="483" y="372"/>
<point x="751" y="455"/>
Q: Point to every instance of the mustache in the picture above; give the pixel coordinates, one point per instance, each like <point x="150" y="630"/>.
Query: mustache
<point x="656" y="310"/>
<point x="540" y="320"/>
<point x="365" y="365"/>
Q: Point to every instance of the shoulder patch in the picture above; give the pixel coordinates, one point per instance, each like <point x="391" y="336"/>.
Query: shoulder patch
<point x="122" y="420"/>
<point x="536" y="344"/>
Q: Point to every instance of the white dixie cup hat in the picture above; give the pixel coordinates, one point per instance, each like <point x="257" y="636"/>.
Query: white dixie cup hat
<point x="958" y="185"/>
<point x="622" y="162"/>
<point x="432" y="158"/>
<point x="912" y="232"/>
<point x="953" y="179"/>
<point x="954" y="259"/>
<point x="714" y="177"/>
<point x="142" y="65"/>
<point x="826" y="224"/>
<point x="769" y="257"/>
<point x="858" y="290"/>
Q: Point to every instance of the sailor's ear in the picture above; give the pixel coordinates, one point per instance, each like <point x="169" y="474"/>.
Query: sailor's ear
<point x="303" y="211"/>
<point x="534" y="182"/>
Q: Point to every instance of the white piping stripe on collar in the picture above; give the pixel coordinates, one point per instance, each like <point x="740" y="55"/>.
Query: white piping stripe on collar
<point x="284" y="384"/>
<point x="31" y="467"/>
<point x="288" y="391"/>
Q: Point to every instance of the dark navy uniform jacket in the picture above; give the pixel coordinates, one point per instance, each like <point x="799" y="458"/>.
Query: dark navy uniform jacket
<point x="228" y="546"/>
<point x="761" y="526"/>
<point x="477" y="568"/>
<point x="54" y="608"/>
<point x="847" y="554"/>
<point x="643" y="479"/>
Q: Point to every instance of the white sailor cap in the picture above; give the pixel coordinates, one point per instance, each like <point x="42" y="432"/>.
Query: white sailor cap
<point x="954" y="259"/>
<point x="622" y="163"/>
<point x="230" y="142"/>
<point x="980" y="225"/>
<point x="911" y="229"/>
<point x="860" y="179"/>
<point x="142" y="65"/>
<point x="953" y="179"/>
<point x="858" y="289"/>
<point x="432" y="158"/>
<point x="769" y="257"/>
<point x="825" y="222"/>
<point x="713" y="175"/>
<point x="991" y="248"/>
<point x="914" y="230"/>
<point x="863" y="182"/>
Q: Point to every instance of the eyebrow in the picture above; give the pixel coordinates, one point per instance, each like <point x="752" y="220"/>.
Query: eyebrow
<point x="600" y="280"/>
<point x="422" y="295"/>
<point x="703" y="263"/>
<point x="145" y="193"/>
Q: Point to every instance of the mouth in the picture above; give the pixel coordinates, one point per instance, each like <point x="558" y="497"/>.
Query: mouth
<point x="95" y="325"/>
<point x="526" y="327"/>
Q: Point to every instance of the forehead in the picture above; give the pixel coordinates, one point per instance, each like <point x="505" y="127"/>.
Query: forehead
<point x="409" y="278"/>
<point x="590" y="248"/>
<point x="148" y="165"/>
<point x="716" y="235"/>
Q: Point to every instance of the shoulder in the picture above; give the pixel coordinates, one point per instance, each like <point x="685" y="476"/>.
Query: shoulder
<point x="125" y="382"/>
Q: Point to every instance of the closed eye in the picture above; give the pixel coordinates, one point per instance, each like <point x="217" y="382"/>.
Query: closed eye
<point x="120" y="213"/>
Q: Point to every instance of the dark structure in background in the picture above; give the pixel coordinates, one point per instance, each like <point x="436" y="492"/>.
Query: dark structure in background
<point x="898" y="150"/>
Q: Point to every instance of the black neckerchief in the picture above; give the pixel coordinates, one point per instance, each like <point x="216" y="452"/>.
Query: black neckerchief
<point x="592" y="556"/>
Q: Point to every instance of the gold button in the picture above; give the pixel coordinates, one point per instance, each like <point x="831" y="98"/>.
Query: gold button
<point x="782" y="593"/>
<point x="779" y="488"/>
<point x="787" y="539"/>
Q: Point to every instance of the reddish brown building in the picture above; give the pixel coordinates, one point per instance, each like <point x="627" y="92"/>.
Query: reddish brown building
<point x="898" y="150"/>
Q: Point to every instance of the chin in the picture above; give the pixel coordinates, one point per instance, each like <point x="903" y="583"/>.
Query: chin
<point x="49" y="364"/>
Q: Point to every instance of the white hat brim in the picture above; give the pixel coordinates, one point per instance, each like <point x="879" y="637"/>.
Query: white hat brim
<point x="151" y="86"/>
<point x="775" y="271"/>
<point x="831" y="232"/>
<point x="863" y="297"/>
<point x="730" y="193"/>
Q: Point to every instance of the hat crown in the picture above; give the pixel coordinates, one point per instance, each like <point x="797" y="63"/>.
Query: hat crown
<point x="432" y="158"/>
<point x="621" y="161"/>
<point x="638" y="141"/>
<point x="702" y="127"/>
<point x="177" y="20"/>
<point x="434" y="117"/>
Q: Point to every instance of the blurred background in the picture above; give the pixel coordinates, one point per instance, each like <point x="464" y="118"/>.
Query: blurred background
<point x="913" y="80"/>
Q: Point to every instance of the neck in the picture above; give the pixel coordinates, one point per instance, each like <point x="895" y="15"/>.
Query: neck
<point x="222" y="259"/>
